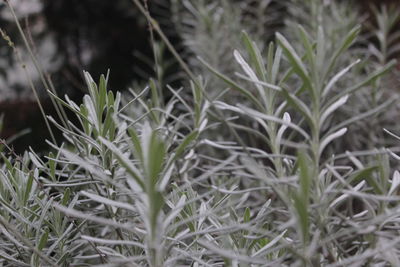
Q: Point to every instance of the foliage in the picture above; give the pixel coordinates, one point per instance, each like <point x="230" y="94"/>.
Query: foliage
<point x="264" y="178"/>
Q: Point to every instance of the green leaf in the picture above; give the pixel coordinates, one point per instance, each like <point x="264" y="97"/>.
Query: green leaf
<point x="182" y="146"/>
<point x="156" y="205"/>
<point x="330" y="109"/>
<point x="310" y="55"/>
<point x="255" y="56"/>
<point x="36" y="160"/>
<point x="66" y="197"/>
<point x="102" y="93"/>
<point x="82" y="113"/>
<point x="110" y="99"/>
<point x="43" y="240"/>
<point x="301" y="208"/>
<point x="52" y="165"/>
<point x="108" y="121"/>
<point x="329" y="138"/>
<point x="346" y="43"/>
<point x="276" y="65"/>
<point x="155" y="158"/>
<point x="125" y="162"/>
<point x="304" y="176"/>
<point x="28" y="189"/>
<point x="296" y="62"/>
<point x="41" y="244"/>
<point x="366" y="174"/>
<point x="198" y="98"/>
<point x="301" y="198"/>
<point x="270" y="61"/>
<point x="335" y="78"/>
<point x="246" y="215"/>
<point x="136" y="144"/>
<point x="154" y="93"/>
<point x="7" y="162"/>
<point x="92" y="87"/>
<point x="85" y="122"/>
<point x="378" y="73"/>
<point x="251" y="75"/>
<point x="233" y="85"/>
<point x="384" y="172"/>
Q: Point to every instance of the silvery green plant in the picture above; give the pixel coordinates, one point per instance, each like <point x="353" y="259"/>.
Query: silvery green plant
<point x="210" y="29"/>
<point x="382" y="45"/>
<point x="259" y="179"/>
<point x="135" y="159"/>
<point x="305" y="89"/>
<point x="377" y="100"/>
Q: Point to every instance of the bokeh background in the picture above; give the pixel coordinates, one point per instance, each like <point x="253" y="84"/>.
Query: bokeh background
<point x="68" y="37"/>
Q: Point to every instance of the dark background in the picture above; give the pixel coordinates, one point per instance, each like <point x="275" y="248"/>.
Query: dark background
<point x="88" y="35"/>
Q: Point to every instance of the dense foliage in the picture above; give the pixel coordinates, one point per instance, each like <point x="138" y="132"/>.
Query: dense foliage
<point x="276" y="152"/>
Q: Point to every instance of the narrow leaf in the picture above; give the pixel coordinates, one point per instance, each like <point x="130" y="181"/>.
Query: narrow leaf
<point x="325" y="141"/>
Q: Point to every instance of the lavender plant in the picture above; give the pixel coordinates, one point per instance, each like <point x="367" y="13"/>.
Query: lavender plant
<point x="263" y="178"/>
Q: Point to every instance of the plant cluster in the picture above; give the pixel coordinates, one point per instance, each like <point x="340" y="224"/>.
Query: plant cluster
<point x="264" y="164"/>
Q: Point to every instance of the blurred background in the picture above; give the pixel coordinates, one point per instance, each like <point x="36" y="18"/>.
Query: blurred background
<point x="69" y="36"/>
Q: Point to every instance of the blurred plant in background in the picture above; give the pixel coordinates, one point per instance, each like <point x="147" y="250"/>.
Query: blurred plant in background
<point x="210" y="29"/>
